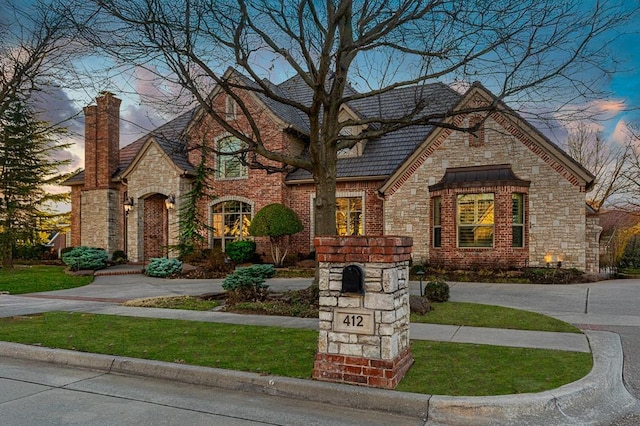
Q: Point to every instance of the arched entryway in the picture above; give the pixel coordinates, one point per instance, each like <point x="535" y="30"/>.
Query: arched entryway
<point x="155" y="219"/>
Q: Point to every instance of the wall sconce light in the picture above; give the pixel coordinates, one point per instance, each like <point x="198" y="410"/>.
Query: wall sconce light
<point x="170" y="202"/>
<point x="559" y="264"/>
<point x="547" y="259"/>
<point x="128" y="204"/>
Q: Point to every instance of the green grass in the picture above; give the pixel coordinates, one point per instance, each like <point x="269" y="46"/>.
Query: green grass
<point x="440" y="368"/>
<point x="37" y="278"/>
<point x="443" y="368"/>
<point x="283" y="352"/>
<point x="478" y="315"/>
<point x="174" y="302"/>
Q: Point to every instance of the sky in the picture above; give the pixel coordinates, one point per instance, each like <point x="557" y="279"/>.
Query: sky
<point x="139" y="114"/>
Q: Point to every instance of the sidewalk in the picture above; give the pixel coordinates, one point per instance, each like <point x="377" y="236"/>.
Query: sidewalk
<point x="444" y="333"/>
<point x="592" y="400"/>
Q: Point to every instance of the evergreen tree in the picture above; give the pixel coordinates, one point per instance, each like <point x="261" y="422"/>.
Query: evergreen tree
<point x="28" y="164"/>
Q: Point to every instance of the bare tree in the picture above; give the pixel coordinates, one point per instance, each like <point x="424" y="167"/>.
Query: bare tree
<point x="525" y="50"/>
<point x="34" y="42"/>
<point x="632" y="171"/>
<point x="606" y="160"/>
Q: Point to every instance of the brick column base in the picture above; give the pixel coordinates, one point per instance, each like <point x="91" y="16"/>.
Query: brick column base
<point x="355" y="370"/>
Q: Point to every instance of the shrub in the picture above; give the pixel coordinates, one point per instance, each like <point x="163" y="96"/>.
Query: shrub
<point x="419" y="305"/>
<point x="162" y="267"/>
<point x="240" y="251"/>
<point x="119" y="257"/>
<point x="85" y="258"/>
<point x="437" y="291"/>
<point x="277" y="222"/>
<point x="246" y="284"/>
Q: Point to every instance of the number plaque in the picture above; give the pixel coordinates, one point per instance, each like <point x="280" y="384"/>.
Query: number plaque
<point x="358" y="321"/>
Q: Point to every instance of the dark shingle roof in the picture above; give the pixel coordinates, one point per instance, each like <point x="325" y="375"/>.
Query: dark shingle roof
<point x="465" y="177"/>
<point x="383" y="155"/>
<point x="168" y="136"/>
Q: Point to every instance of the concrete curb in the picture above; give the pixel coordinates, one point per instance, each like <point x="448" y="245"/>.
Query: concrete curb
<point x="598" y="397"/>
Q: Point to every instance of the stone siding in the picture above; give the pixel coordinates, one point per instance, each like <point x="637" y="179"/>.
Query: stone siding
<point x="101" y="224"/>
<point x="556" y="202"/>
<point x="381" y="356"/>
<point x="154" y="174"/>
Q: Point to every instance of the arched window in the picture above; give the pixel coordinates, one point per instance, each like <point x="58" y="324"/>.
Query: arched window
<point x="230" y="221"/>
<point x="230" y="166"/>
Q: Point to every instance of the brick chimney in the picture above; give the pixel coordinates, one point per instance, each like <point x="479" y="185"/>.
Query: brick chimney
<point x="102" y="141"/>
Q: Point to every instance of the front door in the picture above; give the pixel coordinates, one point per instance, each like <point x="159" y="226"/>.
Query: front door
<point x="155" y="226"/>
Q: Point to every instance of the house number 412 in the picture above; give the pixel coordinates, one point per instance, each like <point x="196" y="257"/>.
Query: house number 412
<point x="353" y="321"/>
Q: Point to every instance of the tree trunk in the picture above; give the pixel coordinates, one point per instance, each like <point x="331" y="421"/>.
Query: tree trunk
<point x="325" y="202"/>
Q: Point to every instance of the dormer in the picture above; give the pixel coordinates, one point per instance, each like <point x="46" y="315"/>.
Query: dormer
<point x="357" y="150"/>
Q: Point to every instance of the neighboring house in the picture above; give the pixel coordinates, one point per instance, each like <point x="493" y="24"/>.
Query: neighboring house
<point x="620" y="228"/>
<point x="58" y="240"/>
<point x="505" y="196"/>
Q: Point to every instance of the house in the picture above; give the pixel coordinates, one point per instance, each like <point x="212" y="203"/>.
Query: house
<point x="503" y="196"/>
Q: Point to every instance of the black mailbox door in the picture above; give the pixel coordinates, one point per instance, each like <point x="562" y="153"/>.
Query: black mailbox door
<point x="352" y="279"/>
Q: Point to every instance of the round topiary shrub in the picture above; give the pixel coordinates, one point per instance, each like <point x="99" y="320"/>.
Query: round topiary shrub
<point x="161" y="267"/>
<point x="240" y="251"/>
<point x="437" y="291"/>
<point x="277" y="222"/>
<point x="85" y="258"/>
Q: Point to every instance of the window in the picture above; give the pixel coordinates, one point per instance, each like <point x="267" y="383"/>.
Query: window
<point x="475" y="220"/>
<point x="517" y="211"/>
<point x="349" y="216"/>
<point x="230" y="166"/>
<point x="476" y="138"/>
<point x="230" y="108"/>
<point x="437" y="221"/>
<point x="230" y="221"/>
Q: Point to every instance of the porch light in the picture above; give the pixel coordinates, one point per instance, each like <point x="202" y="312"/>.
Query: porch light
<point x="170" y="202"/>
<point x="128" y="204"/>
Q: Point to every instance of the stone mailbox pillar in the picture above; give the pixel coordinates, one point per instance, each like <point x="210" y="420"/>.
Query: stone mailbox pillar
<point x="364" y="329"/>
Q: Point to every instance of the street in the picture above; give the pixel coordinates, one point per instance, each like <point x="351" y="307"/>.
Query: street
<point x="33" y="393"/>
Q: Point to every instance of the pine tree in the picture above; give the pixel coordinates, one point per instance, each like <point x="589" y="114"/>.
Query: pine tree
<point x="28" y="164"/>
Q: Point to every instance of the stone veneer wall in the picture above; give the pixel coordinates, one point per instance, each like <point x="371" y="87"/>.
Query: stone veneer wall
<point x="153" y="174"/>
<point x="101" y="219"/>
<point x="556" y="207"/>
<point x="382" y="358"/>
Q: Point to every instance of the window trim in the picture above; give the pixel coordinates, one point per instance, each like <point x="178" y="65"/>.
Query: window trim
<point x="521" y="224"/>
<point x="219" y="174"/>
<point x="477" y="138"/>
<point x="346" y="194"/>
<point x="223" y="200"/>
<point x="436" y="224"/>
<point x="230" y="109"/>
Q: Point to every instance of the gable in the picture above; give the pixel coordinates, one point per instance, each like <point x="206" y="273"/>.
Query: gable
<point x="505" y="122"/>
<point x="151" y="160"/>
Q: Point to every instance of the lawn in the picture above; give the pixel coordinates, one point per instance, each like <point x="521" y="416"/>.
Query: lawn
<point x="478" y="315"/>
<point x="36" y="278"/>
<point x="440" y="368"/>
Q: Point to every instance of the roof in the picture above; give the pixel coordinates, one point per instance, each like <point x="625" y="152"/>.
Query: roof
<point x="382" y="156"/>
<point x="169" y="137"/>
<point x="464" y="177"/>
<point x="611" y="220"/>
